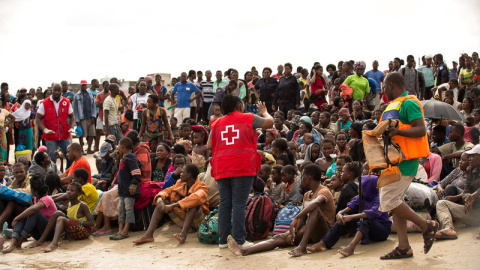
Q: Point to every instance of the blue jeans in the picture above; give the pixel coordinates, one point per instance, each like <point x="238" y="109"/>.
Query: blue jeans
<point x="137" y="123"/>
<point x="33" y="225"/>
<point x="115" y="131"/>
<point x="370" y="228"/>
<point x="52" y="146"/>
<point x="125" y="210"/>
<point x="233" y="199"/>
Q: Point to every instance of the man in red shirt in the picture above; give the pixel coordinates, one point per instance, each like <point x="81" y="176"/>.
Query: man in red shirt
<point x="279" y="72"/>
<point x="51" y="118"/>
<point x="74" y="153"/>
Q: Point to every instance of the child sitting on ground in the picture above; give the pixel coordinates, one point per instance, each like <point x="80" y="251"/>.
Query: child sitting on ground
<point x="335" y="185"/>
<point x="186" y="203"/>
<point x="216" y="113"/>
<point x="105" y="174"/>
<point x="178" y="161"/>
<point x="34" y="219"/>
<point x="128" y="178"/>
<point x="370" y="224"/>
<point x="270" y="136"/>
<point x="308" y="139"/>
<point x="78" y="222"/>
<point x="318" y="211"/>
<point x="276" y="189"/>
<point x="90" y="194"/>
<point x="200" y="151"/>
<point x="471" y="132"/>
<point x="350" y="188"/>
<point x="292" y="186"/>
<point x="267" y="158"/>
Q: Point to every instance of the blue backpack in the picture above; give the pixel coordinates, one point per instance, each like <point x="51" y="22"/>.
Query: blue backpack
<point x="285" y="217"/>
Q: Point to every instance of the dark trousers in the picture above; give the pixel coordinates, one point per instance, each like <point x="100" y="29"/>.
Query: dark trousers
<point x="137" y="124"/>
<point x="204" y="112"/>
<point x="371" y="229"/>
<point x="428" y="93"/>
<point x="285" y="107"/>
<point x="193" y="113"/>
<point x="33" y="225"/>
<point x="233" y="200"/>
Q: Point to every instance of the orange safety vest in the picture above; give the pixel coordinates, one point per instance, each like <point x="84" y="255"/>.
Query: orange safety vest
<point x="411" y="147"/>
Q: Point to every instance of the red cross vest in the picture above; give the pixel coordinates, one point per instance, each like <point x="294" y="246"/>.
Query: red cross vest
<point x="234" y="146"/>
<point x="56" y="122"/>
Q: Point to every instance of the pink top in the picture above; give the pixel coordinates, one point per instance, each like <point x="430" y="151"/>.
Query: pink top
<point x="468" y="136"/>
<point x="435" y="167"/>
<point x="49" y="208"/>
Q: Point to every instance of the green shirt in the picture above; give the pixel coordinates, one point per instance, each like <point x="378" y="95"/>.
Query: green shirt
<point x="359" y="84"/>
<point x="217" y="84"/>
<point x="409" y="111"/>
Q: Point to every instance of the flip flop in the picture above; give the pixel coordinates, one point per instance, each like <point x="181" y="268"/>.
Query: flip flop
<point x="4" y="228"/>
<point x="444" y="236"/>
<point x="142" y="241"/>
<point x="98" y="233"/>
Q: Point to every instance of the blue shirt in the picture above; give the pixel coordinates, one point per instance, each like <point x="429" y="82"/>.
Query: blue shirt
<point x="373" y="86"/>
<point x="377" y="77"/>
<point x="94" y="94"/>
<point x="184" y="91"/>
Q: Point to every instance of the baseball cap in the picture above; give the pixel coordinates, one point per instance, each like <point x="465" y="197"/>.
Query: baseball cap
<point x="106" y="146"/>
<point x="83" y="82"/>
<point x="428" y="56"/>
<point x="475" y="150"/>
<point x="111" y="138"/>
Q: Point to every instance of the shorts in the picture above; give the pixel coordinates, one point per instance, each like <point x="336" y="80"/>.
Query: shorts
<point x="87" y="128"/>
<point x="391" y="196"/>
<point x="77" y="231"/>
<point x="99" y="123"/>
<point x="197" y="219"/>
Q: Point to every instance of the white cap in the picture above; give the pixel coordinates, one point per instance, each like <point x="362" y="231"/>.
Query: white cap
<point x="475" y="150"/>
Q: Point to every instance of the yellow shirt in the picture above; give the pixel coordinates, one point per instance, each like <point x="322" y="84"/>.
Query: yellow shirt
<point x="90" y="197"/>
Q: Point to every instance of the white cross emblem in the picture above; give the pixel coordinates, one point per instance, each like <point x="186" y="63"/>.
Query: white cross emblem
<point x="228" y="135"/>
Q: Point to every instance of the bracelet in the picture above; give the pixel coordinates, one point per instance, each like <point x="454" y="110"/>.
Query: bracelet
<point x="81" y="222"/>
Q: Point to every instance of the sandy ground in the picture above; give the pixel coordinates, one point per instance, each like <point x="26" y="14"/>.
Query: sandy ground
<point x="167" y="253"/>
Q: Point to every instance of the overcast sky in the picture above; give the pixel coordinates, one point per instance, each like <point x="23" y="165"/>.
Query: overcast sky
<point x="48" y="41"/>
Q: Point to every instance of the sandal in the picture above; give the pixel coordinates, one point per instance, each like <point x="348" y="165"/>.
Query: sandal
<point x="118" y="237"/>
<point x="398" y="254"/>
<point x="441" y="235"/>
<point x="429" y="235"/>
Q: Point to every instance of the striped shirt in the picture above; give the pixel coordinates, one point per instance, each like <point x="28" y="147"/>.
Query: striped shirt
<point x="111" y="106"/>
<point x="207" y="90"/>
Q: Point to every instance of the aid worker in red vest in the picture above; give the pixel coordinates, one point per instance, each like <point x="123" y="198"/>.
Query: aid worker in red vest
<point x="51" y="118"/>
<point x="411" y="136"/>
<point x="235" y="162"/>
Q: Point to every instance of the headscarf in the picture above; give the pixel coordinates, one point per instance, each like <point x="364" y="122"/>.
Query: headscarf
<point x="198" y="128"/>
<point x="187" y="144"/>
<point x="22" y="113"/>
<point x="148" y="78"/>
<point x="359" y="64"/>
<point x="308" y="152"/>
<point x="296" y="120"/>
<point x="306" y="119"/>
<point x="346" y="112"/>
<point x="274" y="132"/>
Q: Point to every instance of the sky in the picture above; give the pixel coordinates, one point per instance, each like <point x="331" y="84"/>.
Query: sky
<point x="48" y="41"/>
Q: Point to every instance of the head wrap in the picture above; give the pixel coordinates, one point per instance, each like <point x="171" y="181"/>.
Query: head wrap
<point x="359" y="64"/>
<point x="186" y="143"/>
<point x="198" y="128"/>
<point x="295" y="120"/>
<point x="22" y="113"/>
<point x="148" y="78"/>
<point x="306" y="119"/>
<point x="344" y="111"/>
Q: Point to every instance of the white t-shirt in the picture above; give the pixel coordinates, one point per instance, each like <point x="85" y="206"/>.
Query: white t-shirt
<point x="41" y="108"/>
<point x="137" y="99"/>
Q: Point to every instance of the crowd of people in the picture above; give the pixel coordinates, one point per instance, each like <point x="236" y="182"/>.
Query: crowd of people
<point x="209" y="145"/>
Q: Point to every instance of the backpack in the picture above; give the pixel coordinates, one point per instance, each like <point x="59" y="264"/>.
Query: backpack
<point x="284" y="218"/>
<point x="259" y="217"/>
<point x="208" y="229"/>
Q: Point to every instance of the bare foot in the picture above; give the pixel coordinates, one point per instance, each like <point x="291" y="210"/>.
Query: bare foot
<point x="50" y="248"/>
<point x="143" y="239"/>
<point x="298" y="251"/>
<point x="347" y="251"/>
<point x="234" y="247"/>
<point x="9" y="249"/>
<point x="35" y="244"/>
<point x="180" y="238"/>
<point x="104" y="230"/>
<point x="320" y="246"/>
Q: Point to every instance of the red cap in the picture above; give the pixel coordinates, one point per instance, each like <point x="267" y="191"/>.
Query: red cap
<point x="83" y="82"/>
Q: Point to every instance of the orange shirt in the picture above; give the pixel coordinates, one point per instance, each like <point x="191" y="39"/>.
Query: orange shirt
<point x="81" y="163"/>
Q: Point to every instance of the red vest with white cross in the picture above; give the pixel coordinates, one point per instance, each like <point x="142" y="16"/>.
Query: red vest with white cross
<point x="56" y="121"/>
<point x="234" y="146"/>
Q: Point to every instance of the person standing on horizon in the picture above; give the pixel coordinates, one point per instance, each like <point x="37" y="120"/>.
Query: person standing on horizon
<point x="184" y="90"/>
